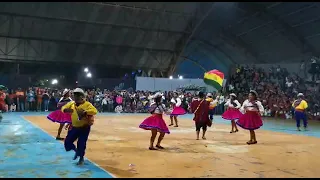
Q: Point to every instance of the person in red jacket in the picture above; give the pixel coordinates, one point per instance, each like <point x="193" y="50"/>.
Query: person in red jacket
<point x="200" y="108"/>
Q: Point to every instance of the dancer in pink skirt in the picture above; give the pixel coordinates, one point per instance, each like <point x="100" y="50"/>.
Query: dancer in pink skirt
<point x="233" y="112"/>
<point x="155" y="122"/>
<point x="177" y="109"/>
<point x="60" y="117"/>
<point x="251" y="120"/>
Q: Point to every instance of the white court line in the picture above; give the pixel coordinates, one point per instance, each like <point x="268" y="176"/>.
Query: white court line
<point x="113" y="176"/>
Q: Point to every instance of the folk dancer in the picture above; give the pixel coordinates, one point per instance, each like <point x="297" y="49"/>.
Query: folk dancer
<point x="60" y="117"/>
<point x="232" y="114"/>
<point x="200" y="108"/>
<point x="82" y="117"/>
<point x="155" y="123"/>
<point x="300" y="106"/>
<point x="251" y="120"/>
<point x="177" y="109"/>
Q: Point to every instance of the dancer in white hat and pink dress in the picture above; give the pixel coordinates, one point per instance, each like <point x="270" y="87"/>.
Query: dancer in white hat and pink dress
<point x="177" y="109"/>
<point x="233" y="113"/>
<point x="60" y="117"/>
<point x="155" y="123"/>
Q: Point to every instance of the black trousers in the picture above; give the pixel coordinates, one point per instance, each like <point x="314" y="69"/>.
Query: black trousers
<point x="201" y="124"/>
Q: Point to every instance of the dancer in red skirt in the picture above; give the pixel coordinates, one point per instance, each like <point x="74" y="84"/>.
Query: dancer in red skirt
<point x="177" y="109"/>
<point x="251" y="120"/>
<point x="233" y="112"/>
<point x="155" y="122"/>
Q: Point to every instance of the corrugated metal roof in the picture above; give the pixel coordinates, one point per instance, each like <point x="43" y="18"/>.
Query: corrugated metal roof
<point x="151" y="35"/>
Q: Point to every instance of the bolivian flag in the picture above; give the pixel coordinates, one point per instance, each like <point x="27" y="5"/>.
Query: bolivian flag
<point x="214" y="78"/>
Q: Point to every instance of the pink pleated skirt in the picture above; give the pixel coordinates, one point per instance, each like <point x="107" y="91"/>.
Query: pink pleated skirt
<point x="59" y="117"/>
<point x="251" y="120"/>
<point x="155" y="121"/>
<point x="178" y="111"/>
<point x="232" y="114"/>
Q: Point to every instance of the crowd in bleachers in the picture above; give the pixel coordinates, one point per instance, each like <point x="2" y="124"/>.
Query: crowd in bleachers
<point x="276" y="87"/>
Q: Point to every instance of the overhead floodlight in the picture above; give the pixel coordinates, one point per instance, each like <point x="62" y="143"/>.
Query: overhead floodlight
<point x="54" y="81"/>
<point x="86" y="70"/>
<point x="89" y="75"/>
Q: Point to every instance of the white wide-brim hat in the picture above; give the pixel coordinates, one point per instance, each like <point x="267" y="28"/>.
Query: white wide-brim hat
<point x="65" y="92"/>
<point x="156" y="95"/>
<point x="209" y="95"/>
<point x="78" y="90"/>
<point x="233" y="94"/>
<point x="254" y="92"/>
<point x="300" y="95"/>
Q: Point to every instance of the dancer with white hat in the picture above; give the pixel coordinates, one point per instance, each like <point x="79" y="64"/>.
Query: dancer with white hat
<point x="177" y="109"/>
<point x="300" y="105"/>
<point x="58" y="116"/>
<point x="155" y="123"/>
<point x="233" y="112"/>
<point x="251" y="120"/>
<point x="82" y="118"/>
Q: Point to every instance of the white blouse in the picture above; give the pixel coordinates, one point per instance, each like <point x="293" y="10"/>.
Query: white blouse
<point x="230" y="105"/>
<point x="248" y="106"/>
<point x="160" y="109"/>
<point x="176" y="101"/>
<point x="150" y="98"/>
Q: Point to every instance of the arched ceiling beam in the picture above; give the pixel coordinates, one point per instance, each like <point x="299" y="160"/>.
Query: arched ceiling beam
<point x="139" y="8"/>
<point x="48" y="18"/>
<point x="194" y="62"/>
<point x="184" y="42"/>
<point x="205" y="53"/>
<point x="288" y="31"/>
<point x="85" y="43"/>
<point x="270" y="21"/>
<point x="215" y="47"/>
<point x="200" y="50"/>
<point x="232" y="39"/>
<point x="249" y="14"/>
<point x="238" y="42"/>
<point x="282" y="29"/>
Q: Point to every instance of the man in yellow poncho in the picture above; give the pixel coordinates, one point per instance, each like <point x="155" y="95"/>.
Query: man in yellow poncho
<point x="300" y="107"/>
<point x="213" y="104"/>
<point x="82" y="113"/>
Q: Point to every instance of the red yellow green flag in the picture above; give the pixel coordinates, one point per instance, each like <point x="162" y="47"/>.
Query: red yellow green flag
<point x="214" y="78"/>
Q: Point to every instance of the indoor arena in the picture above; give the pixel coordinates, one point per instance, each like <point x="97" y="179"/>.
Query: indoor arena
<point x="159" y="89"/>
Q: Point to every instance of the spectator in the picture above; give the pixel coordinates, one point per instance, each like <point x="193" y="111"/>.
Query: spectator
<point x="31" y="100"/>
<point x="21" y="100"/>
<point x="104" y="104"/>
<point x="45" y="100"/>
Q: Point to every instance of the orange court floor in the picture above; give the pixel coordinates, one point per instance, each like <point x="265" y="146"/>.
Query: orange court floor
<point x="117" y="145"/>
